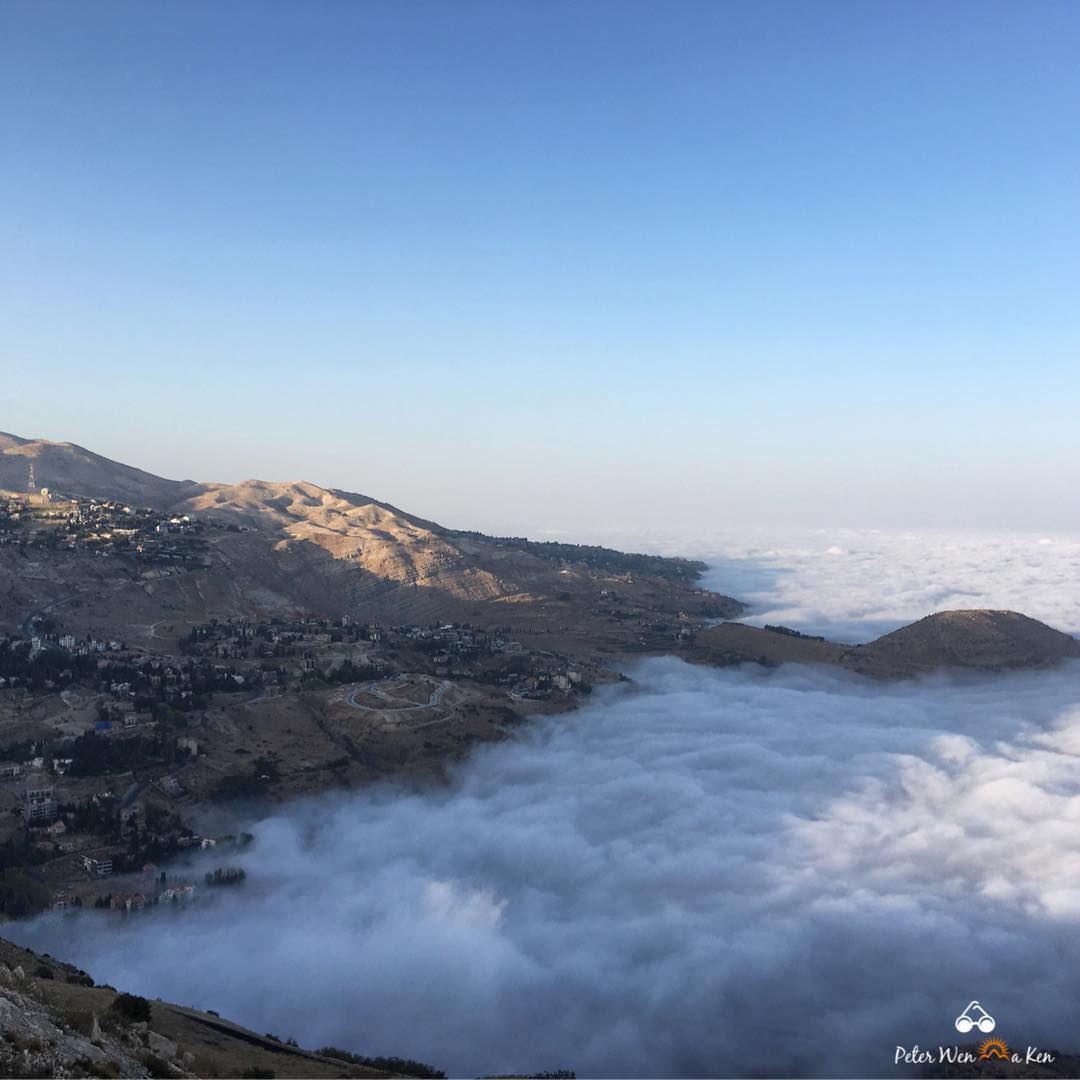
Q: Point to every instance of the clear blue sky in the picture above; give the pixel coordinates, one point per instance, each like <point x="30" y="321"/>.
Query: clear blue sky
<point x="555" y="265"/>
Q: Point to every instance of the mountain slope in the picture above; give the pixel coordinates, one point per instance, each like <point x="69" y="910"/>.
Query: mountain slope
<point x="70" y="469"/>
<point x="55" y="1022"/>
<point x="294" y="547"/>
<point x="382" y="540"/>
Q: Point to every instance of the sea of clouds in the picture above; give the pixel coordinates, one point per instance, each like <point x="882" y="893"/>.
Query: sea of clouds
<point x="704" y="872"/>
<point x="855" y="584"/>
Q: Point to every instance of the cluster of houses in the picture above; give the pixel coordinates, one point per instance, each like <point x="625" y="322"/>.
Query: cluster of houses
<point x="450" y="651"/>
<point x="101" y="527"/>
<point x="35" y="801"/>
<point x="20" y="656"/>
<point x="180" y="893"/>
<point x="97" y="862"/>
<point x="128" y="677"/>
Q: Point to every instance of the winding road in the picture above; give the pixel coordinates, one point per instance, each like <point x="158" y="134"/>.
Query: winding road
<point x="394" y="704"/>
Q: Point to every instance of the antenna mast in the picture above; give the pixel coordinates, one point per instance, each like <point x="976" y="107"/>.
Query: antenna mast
<point x="31" y="484"/>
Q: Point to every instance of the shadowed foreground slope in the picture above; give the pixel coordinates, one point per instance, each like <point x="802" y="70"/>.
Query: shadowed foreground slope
<point x="55" y="1022"/>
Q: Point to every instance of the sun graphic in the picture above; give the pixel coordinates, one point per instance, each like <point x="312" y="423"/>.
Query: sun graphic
<point x="993" y="1048"/>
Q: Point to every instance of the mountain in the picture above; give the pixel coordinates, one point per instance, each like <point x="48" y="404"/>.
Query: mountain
<point x="379" y="538"/>
<point x="288" y="548"/>
<point x="67" y="468"/>
<point x="959" y="640"/>
<point x="976" y="640"/>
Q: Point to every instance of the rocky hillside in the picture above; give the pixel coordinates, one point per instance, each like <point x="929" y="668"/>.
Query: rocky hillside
<point x="55" y="1022"/>
<point x="286" y="548"/>
<point x="378" y="538"/>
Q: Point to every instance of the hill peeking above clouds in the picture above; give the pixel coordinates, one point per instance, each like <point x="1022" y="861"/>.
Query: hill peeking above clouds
<point x="976" y="640"/>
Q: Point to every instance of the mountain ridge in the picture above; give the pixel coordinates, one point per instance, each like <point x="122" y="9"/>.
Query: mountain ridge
<point x="293" y="546"/>
<point x="69" y="467"/>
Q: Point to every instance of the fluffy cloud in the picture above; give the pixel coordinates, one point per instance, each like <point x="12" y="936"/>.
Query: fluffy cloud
<point x="856" y="584"/>
<point x="708" y="872"/>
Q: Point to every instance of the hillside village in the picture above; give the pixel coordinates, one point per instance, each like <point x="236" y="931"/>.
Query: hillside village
<point x="168" y="660"/>
<point x="107" y="746"/>
<point x="102" y="527"/>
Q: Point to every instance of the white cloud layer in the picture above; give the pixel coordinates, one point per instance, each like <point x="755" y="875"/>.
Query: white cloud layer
<point x="856" y="584"/>
<point x="713" y="872"/>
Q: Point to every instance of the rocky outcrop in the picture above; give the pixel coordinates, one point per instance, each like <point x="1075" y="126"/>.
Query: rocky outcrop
<point x="41" y="1039"/>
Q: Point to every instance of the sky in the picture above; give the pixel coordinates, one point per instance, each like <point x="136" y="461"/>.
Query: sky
<point x="531" y="266"/>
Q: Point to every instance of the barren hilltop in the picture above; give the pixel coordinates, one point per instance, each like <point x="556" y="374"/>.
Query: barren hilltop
<point x="975" y="640"/>
<point x="66" y="467"/>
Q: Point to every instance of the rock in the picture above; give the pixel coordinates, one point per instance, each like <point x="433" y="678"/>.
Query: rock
<point x="140" y="1027"/>
<point x="19" y="973"/>
<point x="188" y="1058"/>
<point x="95" y="1030"/>
<point x="5" y="973"/>
<point x="164" y="1048"/>
<point x="85" y="1048"/>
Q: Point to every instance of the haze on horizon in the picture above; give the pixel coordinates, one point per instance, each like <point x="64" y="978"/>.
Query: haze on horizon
<point x="522" y="266"/>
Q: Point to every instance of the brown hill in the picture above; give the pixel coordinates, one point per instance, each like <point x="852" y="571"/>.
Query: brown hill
<point x="374" y="536"/>
<point x="977" y="640"/>
<point x="957" y="640"/>
<point x="70" y="469"/>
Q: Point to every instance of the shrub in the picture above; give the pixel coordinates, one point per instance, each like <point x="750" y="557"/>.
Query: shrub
<point x="43" y="971"/>
<point x="253" y="1072"/>
<point x="131" y="1007"/>
<point x="21" y="895"/>
<point x="401" y="1066"/>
